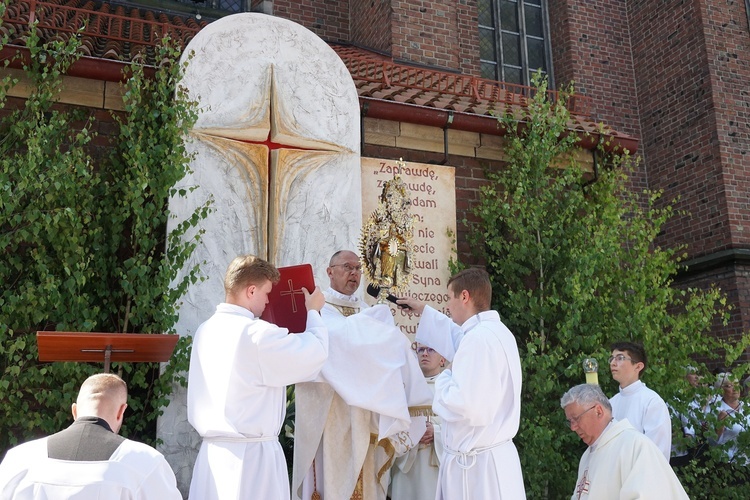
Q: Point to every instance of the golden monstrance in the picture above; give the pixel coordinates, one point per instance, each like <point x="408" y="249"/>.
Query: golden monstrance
<point x="386" y="243"/>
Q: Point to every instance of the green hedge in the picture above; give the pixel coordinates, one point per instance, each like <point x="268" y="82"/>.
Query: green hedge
<point x="575" y="266"/>
<point x="83" y="233"/>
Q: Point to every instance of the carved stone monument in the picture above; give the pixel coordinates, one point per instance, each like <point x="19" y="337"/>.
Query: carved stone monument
<point x="276" y="148"/>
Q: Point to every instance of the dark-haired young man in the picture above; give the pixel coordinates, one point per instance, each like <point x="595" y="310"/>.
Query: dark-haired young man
<point x="643" y="407"/>
<point x="479" y="398"/>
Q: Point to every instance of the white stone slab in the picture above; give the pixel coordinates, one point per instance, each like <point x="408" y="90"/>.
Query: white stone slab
<point x="259" y="78"/>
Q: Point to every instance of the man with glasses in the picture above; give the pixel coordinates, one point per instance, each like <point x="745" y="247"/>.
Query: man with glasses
<point x="357" y="417"/>
<point x="643" y="407"/>
<point x="619" y="462"/>
<point x="415" y="475"/>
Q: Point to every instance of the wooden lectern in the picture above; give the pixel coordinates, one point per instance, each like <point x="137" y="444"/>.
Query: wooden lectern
<point x="91" y="346"/>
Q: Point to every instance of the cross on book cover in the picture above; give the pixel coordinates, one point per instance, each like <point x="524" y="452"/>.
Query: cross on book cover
<point x="286" y="302"/>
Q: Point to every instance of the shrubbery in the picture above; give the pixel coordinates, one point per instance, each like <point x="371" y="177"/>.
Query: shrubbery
<point x="575" y="267"/>
<point x="83" y="234"/>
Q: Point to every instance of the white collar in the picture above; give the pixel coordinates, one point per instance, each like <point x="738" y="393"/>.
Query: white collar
<point x="596" y="442"/>
<point x="632" y="388"/>
<point x="225" y="307"/>
<point x="340" y="296"/>
<point x="478" y="318"/>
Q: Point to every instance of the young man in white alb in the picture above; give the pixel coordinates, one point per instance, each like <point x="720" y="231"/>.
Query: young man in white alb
<point x="644" y="408"/>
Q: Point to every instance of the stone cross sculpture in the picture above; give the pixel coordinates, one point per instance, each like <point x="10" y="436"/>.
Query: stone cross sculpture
<point x="276" y="148"/>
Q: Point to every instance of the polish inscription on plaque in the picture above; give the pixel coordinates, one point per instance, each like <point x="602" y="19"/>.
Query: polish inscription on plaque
<point x="433" y="204"/>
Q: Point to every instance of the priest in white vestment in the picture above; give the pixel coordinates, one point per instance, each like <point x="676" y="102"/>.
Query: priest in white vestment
<point x="414" y="475"/>
<point x="479" y="398"/>
<point x="364" y="409"/>
<point x="89" y="459"/>
<point x="239" y="369"/>
<point x="641" y="406"/>
<point x="620" y="462"/>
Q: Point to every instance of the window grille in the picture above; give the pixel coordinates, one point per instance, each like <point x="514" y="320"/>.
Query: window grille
<point x="514" y="40"/>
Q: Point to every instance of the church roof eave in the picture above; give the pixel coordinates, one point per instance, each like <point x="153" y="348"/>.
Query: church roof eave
<point x="387" y="90"/>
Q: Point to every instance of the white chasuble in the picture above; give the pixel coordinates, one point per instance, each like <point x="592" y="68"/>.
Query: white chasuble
<point x="356" y="416"/>
<point x="623" y="463"/>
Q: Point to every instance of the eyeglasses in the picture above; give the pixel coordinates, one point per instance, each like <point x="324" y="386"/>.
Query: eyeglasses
<point x="422" y="350"/>
<point x="574" y="420"/>
<point x="619" y="358"/>
<point x="349" y="268"/>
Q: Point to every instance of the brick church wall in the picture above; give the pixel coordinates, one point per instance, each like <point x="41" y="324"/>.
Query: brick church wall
<point x="727" y="38"/>
<point x="679" y="137"/>
<point x="371" y="24"/>
<point x="591" y="47"/>
<point x="427" y="32"/>
<point x="329" y="19"/>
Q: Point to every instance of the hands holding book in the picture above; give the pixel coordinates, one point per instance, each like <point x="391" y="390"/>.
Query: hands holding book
<point x="314" y="301"/>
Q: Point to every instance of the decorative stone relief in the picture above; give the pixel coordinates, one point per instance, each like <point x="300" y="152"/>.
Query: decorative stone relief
<point x="277" y="150"/>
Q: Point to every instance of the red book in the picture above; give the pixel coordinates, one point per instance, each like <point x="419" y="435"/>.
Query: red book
<point x="286" y="302"/>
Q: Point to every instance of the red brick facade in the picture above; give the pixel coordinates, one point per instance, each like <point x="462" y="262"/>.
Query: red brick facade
<point x="673" y="73"/>
<point x="371" y="24"/>
<point x="329" y="19"/>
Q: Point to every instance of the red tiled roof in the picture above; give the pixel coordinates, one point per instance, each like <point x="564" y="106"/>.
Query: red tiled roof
<point x="106" y="31"/>
<point x="386" y="89"/>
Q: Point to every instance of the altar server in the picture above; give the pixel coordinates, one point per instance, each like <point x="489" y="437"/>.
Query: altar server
<point x="89" y="459"/>
<point x="239" y="369"/>
<point x="479" y="398"/>
<point x="642" y="406"/>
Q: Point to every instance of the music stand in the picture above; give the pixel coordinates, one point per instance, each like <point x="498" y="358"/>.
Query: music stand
<point x="92" y="346"/>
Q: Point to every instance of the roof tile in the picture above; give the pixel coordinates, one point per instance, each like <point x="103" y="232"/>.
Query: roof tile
<point x="114" y="33"/>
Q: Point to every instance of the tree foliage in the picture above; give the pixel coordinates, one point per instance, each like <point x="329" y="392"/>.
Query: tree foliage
<point x="575" y="266"/>
<point x="83" y="235"/>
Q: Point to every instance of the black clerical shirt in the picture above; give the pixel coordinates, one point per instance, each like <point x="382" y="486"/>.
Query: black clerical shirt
<point x="88" y="439"/>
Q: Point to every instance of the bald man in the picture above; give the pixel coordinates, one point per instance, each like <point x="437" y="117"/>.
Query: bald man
<point x="89" y="459"/>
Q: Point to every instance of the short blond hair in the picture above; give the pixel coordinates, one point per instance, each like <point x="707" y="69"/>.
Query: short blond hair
<point x="102" y="387"/>
<point x="247" y="270"/>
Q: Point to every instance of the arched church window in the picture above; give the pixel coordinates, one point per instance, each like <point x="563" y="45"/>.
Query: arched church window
<point x="514" y="40"/>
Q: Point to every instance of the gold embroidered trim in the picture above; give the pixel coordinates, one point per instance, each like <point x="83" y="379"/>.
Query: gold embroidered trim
<point x="421" y="411"/>
<point x="389" y="450"/>
<point x="345" y="310"/>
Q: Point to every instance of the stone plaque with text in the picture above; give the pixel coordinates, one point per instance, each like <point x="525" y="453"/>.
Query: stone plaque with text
<point x="433" y="204"/>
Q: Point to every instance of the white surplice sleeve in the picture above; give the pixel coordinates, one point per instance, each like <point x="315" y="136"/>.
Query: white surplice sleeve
<point x="657" y="425"/>
<point x="464" y="393"/>
<point x="287" y="359"/>
<point x="440" y="332"/>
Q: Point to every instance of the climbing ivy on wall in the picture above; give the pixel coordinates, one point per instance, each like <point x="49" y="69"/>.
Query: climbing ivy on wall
<point x="83" y="235"/>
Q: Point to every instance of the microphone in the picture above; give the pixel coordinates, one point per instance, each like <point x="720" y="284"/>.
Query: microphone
<point x="374" y="290"/>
